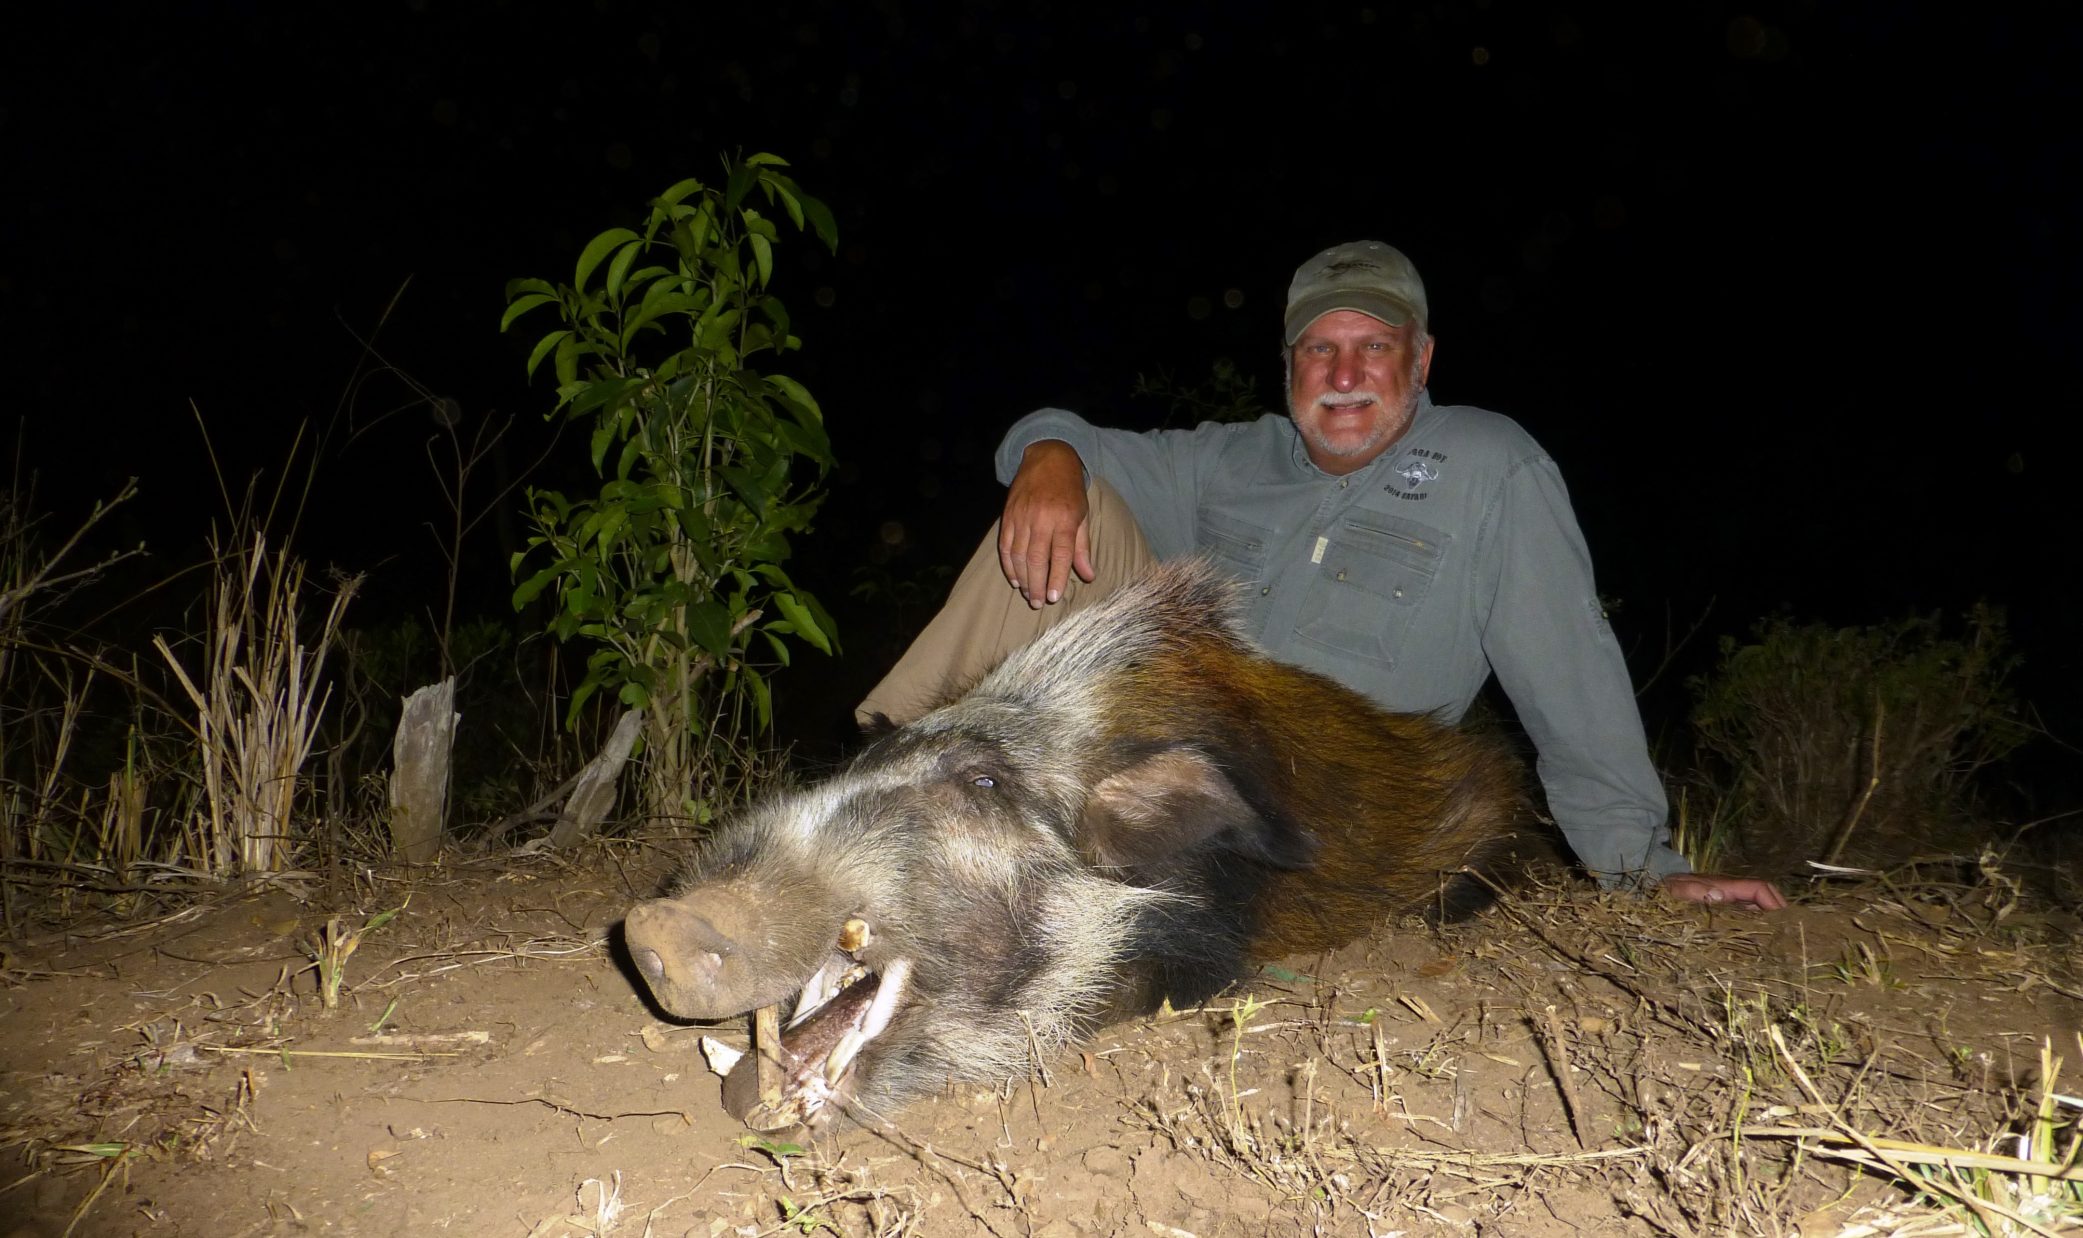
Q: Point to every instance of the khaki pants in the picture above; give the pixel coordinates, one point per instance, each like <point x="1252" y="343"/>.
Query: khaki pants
<point x="986" y="618"/>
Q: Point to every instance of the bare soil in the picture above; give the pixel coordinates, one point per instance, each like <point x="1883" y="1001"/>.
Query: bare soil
<point x="1568" y="1063"/>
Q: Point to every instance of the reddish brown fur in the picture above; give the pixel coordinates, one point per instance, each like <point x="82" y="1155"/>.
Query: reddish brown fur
<point x="1393" y="800"/>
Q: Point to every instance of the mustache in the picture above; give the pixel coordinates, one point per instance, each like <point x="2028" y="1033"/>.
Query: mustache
<point x="1347" y="399"/>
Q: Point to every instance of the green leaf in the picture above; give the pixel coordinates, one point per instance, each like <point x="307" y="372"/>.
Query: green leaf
<point x="821" y="222"/>
<point x="515" y="287"/>
<point x="618" y="270"/>
<point x="799" y="399"/>
<point x="597" y="251"/>
<point x="770" y="1147"/>
<point x="543" y="347"/>
<point x="742" y="178"/>
<point x="655" y="307"/>
<point x="578" y="701"/>
<point x="603" y="438"/>
<point x="762" y="699"/>
<point x="522" y="305"/>
<point x="626" y="462"/>
<point x="646" y="275"/>
<point x="824" y="620"/>
<point x="530" y="588"/>
<point x="805" y="623"/>
<point x="807" y="441"/>
<point x="779" y="646"/>
<point x="709" y="626"/>
<point x="745" y="485"/>
<point x="763" y="254"/>
<point x="779" y="186"/>
<point x="567" y="361"/>
<point x="678" y="192"/>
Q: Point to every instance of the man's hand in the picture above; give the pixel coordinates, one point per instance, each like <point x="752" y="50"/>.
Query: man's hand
<point x="1042" y="537"/>
<point x="1709" y="888"/>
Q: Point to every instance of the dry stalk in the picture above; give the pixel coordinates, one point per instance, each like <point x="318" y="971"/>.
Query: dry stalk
<point x="1895" y="1157"/>
<point x="1558" y="1058"/>
<point x="1851" y="820"/>
<point x="258" y="711"/>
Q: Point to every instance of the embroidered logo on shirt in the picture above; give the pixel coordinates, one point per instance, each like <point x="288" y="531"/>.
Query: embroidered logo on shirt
<point x="1416" y="472"/>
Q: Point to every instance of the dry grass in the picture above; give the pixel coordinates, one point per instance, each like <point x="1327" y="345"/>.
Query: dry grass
<point x="257" y="705"/>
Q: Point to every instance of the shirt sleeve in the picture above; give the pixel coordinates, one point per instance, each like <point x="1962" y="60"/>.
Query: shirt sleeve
<point x="1158" y="473"/>
<point x="1546" y="636"/>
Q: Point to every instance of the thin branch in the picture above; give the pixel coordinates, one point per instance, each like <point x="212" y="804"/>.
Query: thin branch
<point x="43" y="577"/>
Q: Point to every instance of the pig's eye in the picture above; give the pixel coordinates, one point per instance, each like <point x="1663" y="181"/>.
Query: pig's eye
<point x="983" y="780"/>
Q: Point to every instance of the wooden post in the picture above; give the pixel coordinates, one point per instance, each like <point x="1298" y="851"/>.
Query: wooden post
<point x="595" y="794"/>
<point x="420" y="771"/>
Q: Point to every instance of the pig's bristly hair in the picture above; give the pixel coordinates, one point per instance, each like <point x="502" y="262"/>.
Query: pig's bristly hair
<point x="1067" y="667"/>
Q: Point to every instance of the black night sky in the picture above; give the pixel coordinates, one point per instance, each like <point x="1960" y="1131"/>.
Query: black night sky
<point x="1790" y="290"/>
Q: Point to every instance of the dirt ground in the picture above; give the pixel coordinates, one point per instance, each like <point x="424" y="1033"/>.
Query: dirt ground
<point x="1568" y="1063"/>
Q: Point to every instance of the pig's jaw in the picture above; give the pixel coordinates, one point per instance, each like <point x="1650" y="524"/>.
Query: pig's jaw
<point x="843" y="1007"/>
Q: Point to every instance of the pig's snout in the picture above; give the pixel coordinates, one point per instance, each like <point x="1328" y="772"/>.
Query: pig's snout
<point x="712" y="953"/>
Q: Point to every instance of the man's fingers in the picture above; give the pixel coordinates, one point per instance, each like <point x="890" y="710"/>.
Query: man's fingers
<point x="1711" y="888"/>
<point x="1063" y="548"/>
<point x="1010" y="552"/>
<point x="1035" y="583"/>
<point x="1081" y="558"/>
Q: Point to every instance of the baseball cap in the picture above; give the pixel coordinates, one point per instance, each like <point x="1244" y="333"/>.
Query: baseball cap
<point x="1367" y="276"/>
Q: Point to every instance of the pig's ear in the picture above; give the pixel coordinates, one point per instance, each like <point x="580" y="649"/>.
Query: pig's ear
<point x="1173" y="802"/>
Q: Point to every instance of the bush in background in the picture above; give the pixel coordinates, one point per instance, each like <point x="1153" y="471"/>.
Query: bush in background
<point x="1860" y="743"/>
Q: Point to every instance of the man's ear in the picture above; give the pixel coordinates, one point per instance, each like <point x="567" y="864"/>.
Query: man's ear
<point x="1425" y="362"/>
<point x="1174" y="802"/>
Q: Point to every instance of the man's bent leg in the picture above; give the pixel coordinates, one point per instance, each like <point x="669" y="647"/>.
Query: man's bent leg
<point x="985" y="618"/>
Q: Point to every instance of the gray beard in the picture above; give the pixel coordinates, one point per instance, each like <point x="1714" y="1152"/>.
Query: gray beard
<point x="1391" y="429"/>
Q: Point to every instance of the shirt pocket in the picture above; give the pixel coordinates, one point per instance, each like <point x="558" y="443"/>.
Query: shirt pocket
<point x="1236" y="546"/>
<point x="1375" y="572"/>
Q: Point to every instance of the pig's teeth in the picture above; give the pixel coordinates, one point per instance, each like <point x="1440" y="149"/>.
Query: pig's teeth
<point x="895" y="978"/>
<point x="818" y="990"/>
<point x="824" y="984"/>
<point x="843" y="1054"/>
<point x="873" y="1020"/>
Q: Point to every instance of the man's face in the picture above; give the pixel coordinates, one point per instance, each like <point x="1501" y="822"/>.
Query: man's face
<point x="1353" y="385"/>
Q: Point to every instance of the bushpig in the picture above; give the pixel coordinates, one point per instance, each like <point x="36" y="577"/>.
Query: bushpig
<point x="1139" y="806"/>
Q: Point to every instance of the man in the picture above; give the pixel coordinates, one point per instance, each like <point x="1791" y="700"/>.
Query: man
<point x="1406" y="549"/>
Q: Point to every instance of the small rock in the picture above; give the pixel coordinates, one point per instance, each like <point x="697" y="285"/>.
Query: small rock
<point x="1109" y="1162"/>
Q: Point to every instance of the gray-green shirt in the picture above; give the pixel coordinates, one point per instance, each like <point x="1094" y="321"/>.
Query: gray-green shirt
<point x="1453" y="555"/>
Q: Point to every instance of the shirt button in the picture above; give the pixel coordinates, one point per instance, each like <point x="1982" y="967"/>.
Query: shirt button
<point x="1343" y="482"/>
<point x="1265" y="591"/>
